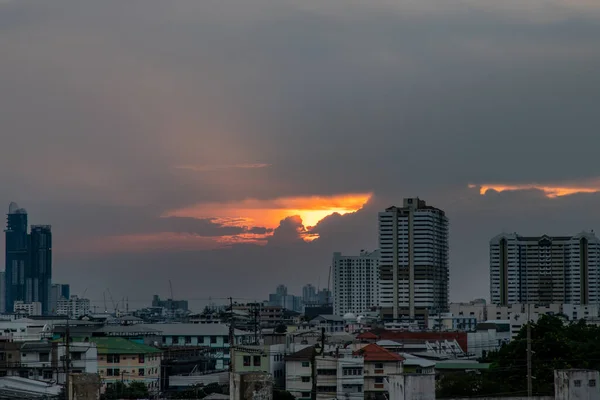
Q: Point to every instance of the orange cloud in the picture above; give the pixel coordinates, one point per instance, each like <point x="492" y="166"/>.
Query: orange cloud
<point x="206" y="168"/>
<point x="550" y="192"/>
<point x="268" y="213"/>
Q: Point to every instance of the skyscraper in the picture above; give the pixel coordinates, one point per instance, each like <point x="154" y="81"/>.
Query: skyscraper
<point x="545" y="269"/>
<point x="355" y="282"/>
<point x="414" y="268"/>
<point x="39" y="280"/>
<point x="28" y="261"/>
<point x="17" y="257"/>
<point x="309" y="294"/>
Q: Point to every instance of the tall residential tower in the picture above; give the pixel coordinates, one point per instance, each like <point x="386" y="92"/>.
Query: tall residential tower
<point x="28" y="268"/>
<point x="414" y="268"/>
<point x="545" y="269"/>
<point x="355" y="282"/>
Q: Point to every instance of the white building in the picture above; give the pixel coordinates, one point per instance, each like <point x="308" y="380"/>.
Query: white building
<point x="545" y="269"/>
<point x="576" y="384"/>
<point x="44" y="360"/>
<point x="75" y="307"/>
<point x="355" y="282"/>
<point x="339" y="375"/>
<point x="413" y="241"/>
<point x="32" y="308"/>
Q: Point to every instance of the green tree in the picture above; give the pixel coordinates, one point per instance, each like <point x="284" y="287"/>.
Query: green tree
<point x="281" y="328"/>
<point x="119" y="390"/>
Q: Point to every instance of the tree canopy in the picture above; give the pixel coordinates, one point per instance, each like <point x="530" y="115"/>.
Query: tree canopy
<point x="555" y="345"/>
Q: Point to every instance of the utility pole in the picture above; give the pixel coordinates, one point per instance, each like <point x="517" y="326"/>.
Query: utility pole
<point x="231" y="350"/>
<point x="67" y="359"/>
<point x="529" y="377"/>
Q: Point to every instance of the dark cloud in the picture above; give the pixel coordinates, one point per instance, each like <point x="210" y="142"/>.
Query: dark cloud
<point x="102" y="101"/>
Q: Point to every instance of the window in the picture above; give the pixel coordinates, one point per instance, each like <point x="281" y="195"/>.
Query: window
<point x="306" y="379"/>
<point x="379" y="380"/>
<point x="257" y="361"/>
<point x="213" y="340"/>
<point x="305" y="364"/>
<point x="378" y="365"/>
<point x="577" y="383"/>
<point x="116" y="372"/>
<point x="113" y="358"/>
<point x="141" y="372"/>
<point x="76" y="356"/>
<point x="109" y="372"/>
<point x="47" y="375"/>
<point x="246" y="361"/>
<point x="592" y="383"/>
<point x="188" y="339"/>
<point x="175" y="339"/>
<point x="141" y="358"/>
<point x="44" y="357"/>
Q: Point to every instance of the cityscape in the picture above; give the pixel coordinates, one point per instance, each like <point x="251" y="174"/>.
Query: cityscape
<point x="300" y="200"/>
<point x="384" y="319"/>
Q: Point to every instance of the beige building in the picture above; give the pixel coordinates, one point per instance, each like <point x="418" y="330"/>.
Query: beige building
<point x="127" y="361"/>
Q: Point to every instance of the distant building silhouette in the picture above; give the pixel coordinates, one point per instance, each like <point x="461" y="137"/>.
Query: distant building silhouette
<point x="28" y="268"/>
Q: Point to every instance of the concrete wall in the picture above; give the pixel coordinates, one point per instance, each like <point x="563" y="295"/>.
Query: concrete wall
<point x="411" y="387"/>
<point x="576" y="384"/>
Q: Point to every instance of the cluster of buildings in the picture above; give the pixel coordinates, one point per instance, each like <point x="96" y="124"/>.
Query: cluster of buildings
<point x="386" y="331"/>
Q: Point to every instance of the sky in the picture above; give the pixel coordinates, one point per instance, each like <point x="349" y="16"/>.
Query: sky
<point x="232" y="145"/>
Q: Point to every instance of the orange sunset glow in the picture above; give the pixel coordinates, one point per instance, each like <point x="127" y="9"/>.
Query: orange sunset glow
<point x="549" y="191"/>
<point x="268" y="213"/>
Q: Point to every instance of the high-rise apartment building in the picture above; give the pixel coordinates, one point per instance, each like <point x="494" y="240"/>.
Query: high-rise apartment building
<point x="414" y="268"/>
<point x="355" y="282"/>
<point x="58" y="292"/>
<point x="545" y="269"/>
<point x="28" y="268"/>
<point x="17" y="256"/>
<point x="39" y="279"/>
<point x="309" y="294"/>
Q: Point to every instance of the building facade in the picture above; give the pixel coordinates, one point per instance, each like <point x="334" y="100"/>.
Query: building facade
<point x="414" y="275"/>
<point x="32" y="308"/>
<point x="122" y="360"/>
<point x="355" y="282"/>
<point x="74" y="307"/>
<point x="16" y="257"/>
<point x="58" y="292"/>
<point x="28" y="261"/>
<point x="39" y="279"/>
<point x="545" y="269"/>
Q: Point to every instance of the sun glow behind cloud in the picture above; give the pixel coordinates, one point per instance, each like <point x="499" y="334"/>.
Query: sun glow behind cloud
<point x="268" y="213"/>
<point x="550" y="192"/>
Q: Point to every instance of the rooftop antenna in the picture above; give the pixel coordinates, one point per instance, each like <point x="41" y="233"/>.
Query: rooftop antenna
<point x="105" y="308"/>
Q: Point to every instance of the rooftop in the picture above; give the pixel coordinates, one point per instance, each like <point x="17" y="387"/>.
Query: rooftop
<point x="461" y="365"/>
<point x="302" y="355"/>
<point x="191" y="329"/>
<point x="373" y="352"/>
<point x="121" y="346"/>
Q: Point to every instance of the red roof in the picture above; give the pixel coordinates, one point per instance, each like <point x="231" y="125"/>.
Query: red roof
<point x="367" y="336"/>
<point x="373" y="352"/>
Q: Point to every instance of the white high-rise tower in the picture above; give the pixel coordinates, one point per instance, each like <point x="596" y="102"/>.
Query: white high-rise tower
<point x="414" y="268"/>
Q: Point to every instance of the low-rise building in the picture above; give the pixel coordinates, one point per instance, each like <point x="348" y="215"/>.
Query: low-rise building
<point x="24" y="308"/>
<point x="122" y="360"/>
<point x="331" y="323"/>
<point x="451" y="323"/>
<point x="379" y="364"/>
<point x="212" y="336"/>
<point x="45" y="360"/>
<point x="265" y="358"/>
<point x="339" y="374"/>
<point x="571" y="384"/>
